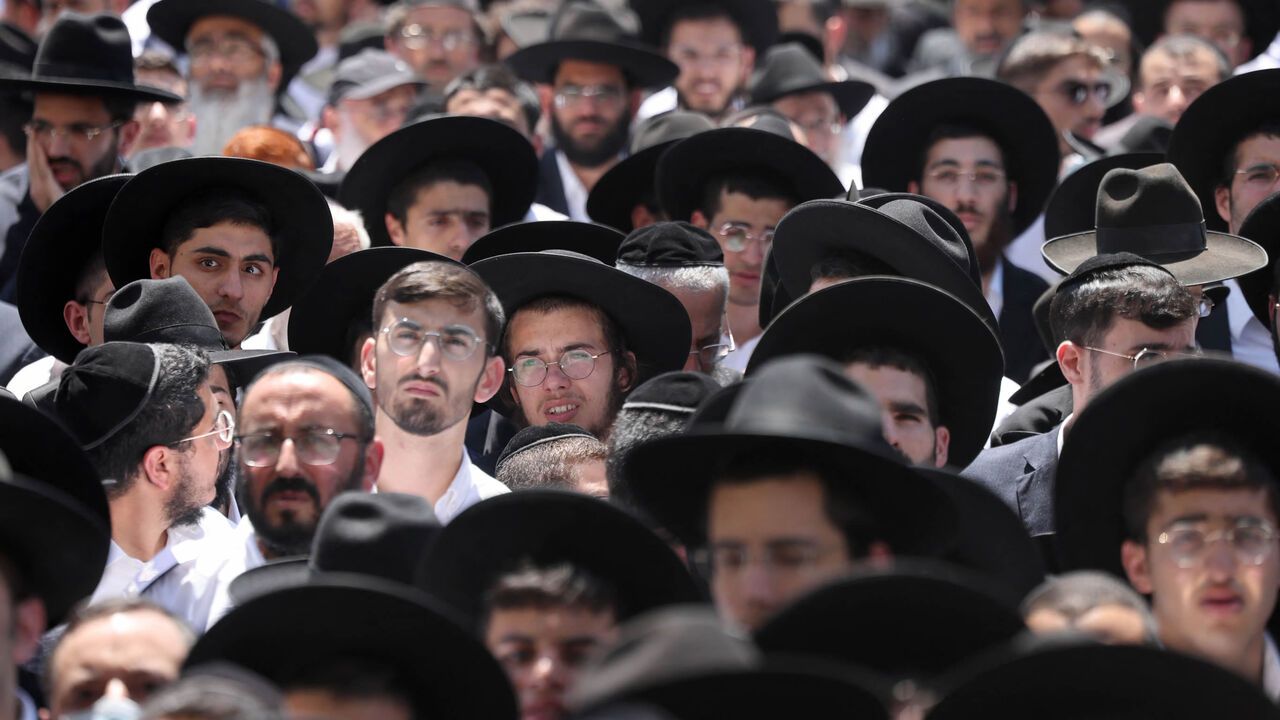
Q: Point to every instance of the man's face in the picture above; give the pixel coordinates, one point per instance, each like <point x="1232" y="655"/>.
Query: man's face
<point x="199" y="463"/>
<point x="758" y="217"/>
<point x="163" y="124"/>
<point x="1219" y="605"/>
<point x="542" y="650"/>
<point x="968" y="176"/>
<point x="84" y="316"/>
<point x="364" y="122"/>
<point x="125" y="655"/>
<point x="439" y="42"/>
<point x="770" y="541"/>
<point x="1056" y="95"/>
<point x="226" y="51"/>
<point x="427" y="393"/>
<point x="985" y="26"/>
<point x="590" y="112"/>
<point x="1221" y="22"/>
<point x="445" y="218"/>
<point x="904" y="410"/>
<point x="706" y="313"/>
<point x="1167" y="85"/>
<point x="65" y="119"/>
<point x="284" y="500"/>
<point x="818" y="115"/>
<point x="714" y="63"/>
<point x="591" y="402"/>
<point x="232" y="268"/>
<point x="495" y="104"/>
<point x="1257" y="158"/>
<point x="1130" y="337"/>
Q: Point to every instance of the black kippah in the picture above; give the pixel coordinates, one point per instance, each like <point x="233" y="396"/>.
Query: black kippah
<point x="537" y="435"/>
<point x="670" y="244"/>
<point x="1108" y="261"/>
<point x="105" y="390"/>
<point x="679" y="391"/>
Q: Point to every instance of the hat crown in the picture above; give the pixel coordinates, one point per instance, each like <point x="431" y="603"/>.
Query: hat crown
<point x="678" y="389"/>
<point x="786" y="67"/>
<point x="669" y="127"/>
<point x="932" y="227"/>
<point x="587" y="20"/>
<point x="86" y="47"/>
<point x="369" y="65"/>
<point x="168" y="311"/>
<point x="670" y="244"/>
<point x="1155" y="195"/>
<point x="382" y="534"/>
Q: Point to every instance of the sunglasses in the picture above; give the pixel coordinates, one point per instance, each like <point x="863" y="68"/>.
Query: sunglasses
<point x="1078" y="92"/>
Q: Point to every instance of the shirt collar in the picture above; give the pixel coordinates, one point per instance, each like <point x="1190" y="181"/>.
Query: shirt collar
<point x="1270" y="669"/>
<point x="1238" y="312"/>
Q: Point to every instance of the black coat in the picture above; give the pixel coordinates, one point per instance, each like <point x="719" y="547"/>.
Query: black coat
<point x="1022" y="475"/>
<point x="1023" y="348"/>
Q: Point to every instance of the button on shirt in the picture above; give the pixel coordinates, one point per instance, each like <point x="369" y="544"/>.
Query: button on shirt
<point x="470" y="485"/>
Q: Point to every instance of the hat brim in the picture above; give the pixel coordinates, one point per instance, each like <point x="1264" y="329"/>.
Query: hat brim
<point x="1224" y="256"/>
<point x="273" y="576"/>
<point x="503" y="154"/>
<point x="757" y="19"/>
<point x="644" y="67"/>
<point x="85" y="86"/>
<point x="595" y="241"/>
<point x="246" y="364"/>
<point x="1013" y="120"/>
<point x="299" y="213"/>
<point x="551" y="527"/>
<point x="915" y="317"/>
<point x="685" y="168"/>
<point x="623" y="186"/>
<point x="376" y="87"/>
<point x="1262" y="225"/>
<point x="850" y="95"/>
<point x="1072" y="207"/>
<point x="61" y="242"/>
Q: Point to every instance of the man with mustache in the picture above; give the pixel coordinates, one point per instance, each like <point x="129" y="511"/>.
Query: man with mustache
<point x="439" y="39"/>
<point x="306" y="435"/>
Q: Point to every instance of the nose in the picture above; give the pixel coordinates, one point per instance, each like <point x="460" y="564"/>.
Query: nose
<point x="116" y="689"/>
<point x="232" y="287"/>
<point x="59" y="144"/>
<point x="692" y="363"/>
<point x="429" y="356"/>
<point x="287" y="464"/>
<point x="754" y="253"/>
<point x="460" y="240"/>
<point x="890" y="431"/>
<point x="556" y="379"/>
<point x="966" y="189"/>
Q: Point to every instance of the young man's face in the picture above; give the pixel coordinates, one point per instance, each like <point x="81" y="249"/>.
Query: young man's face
<point x="819" y="115"/>
<point x="969" y="177"/>
<point x="592" y="401"/>
<point x="1221" y="22"/>
<point x="984" y="26"/>
<point x="1167" y="85"/>
<point x="591" y="111"/>
<point x="1098" y="370"/>
<point x="1056" y="95"/>
<point x="758" y="218"/>
<point x="1255" y="177"/>
<point x="542" y="650"/>
<point x="200" y="460"/>
<point x="61" y="122"/>
<point x="714" y="63"/>
<point x="493" y="103"/>
<point x="904" y="411"/>
<point x="445" y="218"/>
<point x="232" y="268"/>
<point x="1213" y="603"/>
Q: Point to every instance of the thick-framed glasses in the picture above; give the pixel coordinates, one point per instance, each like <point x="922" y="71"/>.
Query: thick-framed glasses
<point x="313" y="447"/>
<point x="1252" y="540"/>
<point x="1147" y="357"/>
<point x="78" y="133"/>
<point x="456" y="342"/>
<point x="982" y="177"/>
<point x="711" y="355"/>
<point x="530" y="371"/>
<point x="233" y="48"/>
<point x="574" y="95"/>
<point x="417" y="37"/>
<point x="223" y="432"/>
<point x="737" y="237"/>
<point x="1260" y="175"/>
<point x="1078" y="93"/>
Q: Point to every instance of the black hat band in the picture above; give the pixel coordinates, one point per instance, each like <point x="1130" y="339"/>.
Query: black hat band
<point x="76" y="71"/>
<point x="1153" y="240"/>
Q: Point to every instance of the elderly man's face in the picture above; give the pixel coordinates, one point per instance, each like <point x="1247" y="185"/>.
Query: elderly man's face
<point x="226" y="51"/>
<point x="1221" y="22"/>
<point x="439" y="42"/>
<point x="364" y="121"/>
<point x="985" y="26"/>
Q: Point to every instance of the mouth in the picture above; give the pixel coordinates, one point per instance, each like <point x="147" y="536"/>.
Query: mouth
<point x="1222" y="603"/>
<point x="560" y="410"/>
<point x="543" y="710"/>
<point x="970" y="220"/>
<point x="746" y="276"/>
<point x="706" y="88"/>
<point x="290" y="498"/>
<point x="67" y="174"/>
<point x="226" y="317"/>
<point x="420" y="388"/>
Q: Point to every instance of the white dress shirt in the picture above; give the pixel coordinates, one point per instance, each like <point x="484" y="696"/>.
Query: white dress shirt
<point x="575" y="193"/>
<point x="470" y="485"/>
<point x="1250" y="339"/>
<point x="1271" y="669"/>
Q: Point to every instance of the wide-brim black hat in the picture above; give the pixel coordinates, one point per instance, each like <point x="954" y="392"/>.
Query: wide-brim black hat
<point x="623" y="186"/>
<point x="300" y="216"/>
<point x="684" y="169"/>
<point x="55" y="525"/>
<point x="916" y="620"/>
<point x="328" y="317"/>
<point x="550" y="527"/>
<point x="170" y="20"/>
<point x="1262" y="225"/>
<point x="756" y="19"/>
<point x="1213" y="124"/>
<point x="916" y="318"/>
<point x="1073" y="205"/>
<point x="789" y="69"/>
<point x="1146" y="19"/>
<point x="62" y="241"/>
<point x="340" y="619"/>
<point x="1011" y="118"/>
<point x="597" y="241"/>
<point x="642" y="65"/>
<point x="654" y="322"/>
<point x="503" y="154"/>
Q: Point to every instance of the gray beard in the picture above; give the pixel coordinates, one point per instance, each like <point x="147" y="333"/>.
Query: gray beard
<point x="220" y="115"/>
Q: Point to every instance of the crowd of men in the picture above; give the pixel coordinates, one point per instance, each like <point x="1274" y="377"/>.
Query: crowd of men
<point x="667" y="359"/>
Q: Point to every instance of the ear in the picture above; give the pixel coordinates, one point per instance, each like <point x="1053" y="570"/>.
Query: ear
<point x="274" y="73"/>
<point x="373" y="455"/>
<point x="702" y="221"/>
<point x="495" y="371"/>
<point x="76" y="316"/>
<point x="1133" y="556"/>
<point x="160" y="466"/>
<point x="128" y="136"/>
<point x="1013" y="196"/>
<point x="748" y="61"/>
<point x="369" y="363"/>
<point x="627" y="373"/>
<point x="161" y="264"/>
<point x="941" y="445"/>
<point x="1222" y="201"/>
<point x="29" y="621"/>
<point x="1070" y="359"/>
<point x="1139" y="100"/>
<point x="634" y="99"/>
<point x="328" y="119"/>
<point x="395" y="229"/>
<point x="191" y="127"/>
<point x="913" y="187"/>
<point x="641" y="217"/>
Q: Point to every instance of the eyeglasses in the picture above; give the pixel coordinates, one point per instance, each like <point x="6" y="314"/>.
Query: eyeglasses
<point x="1252" y="540"/>
<point x="1261" y="175"/>
<point x="224" y="428"/>
<point x="737" y="236"/>
<point x="720" y="57"/>
<point x="786" y="556"/>
<point x="1078" y="92"/>
<point x="711" y="355"/>
<point x="417" y="37"/>
<point x="575" y="364"/>
<point x="572" y="95"/>
<point x="1147" y="357"/>
<point x="77" y="133"/>
<point x="1206" y="306"/>
<point x="821" y="125"/>
<point x="235" y="48"/>
<point x="456" y="342"/>
<point x="1220" y="35"/>
<point x="313" y="447"/>
<point x="982" y="177"/>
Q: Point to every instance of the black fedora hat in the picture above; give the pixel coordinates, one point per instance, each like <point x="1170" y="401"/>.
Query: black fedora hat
<point x="627" y="184"/>
<point x="586" y="30"/>
<point x="1009" y="116"/>
<point x="1262" y="225"/>
<point x="502" y="154"/>
<point x="1153" y="212"/>
<point x="171" y="20"/>
<point x="17" y="49"/>
<point x="1072" y="207"/>
<point x="789" y="69"/>
<point x="654" y="322"/>
<point x="1213" y="124"/>
<point x="56" y="526"/>
<point x="1146" y="19"/>
<point x="64" y="240"/>
<point x="330" y="316"/>
<point x="757" y="20"/>
<point x="86" y="55"/>
<point x="803" y="407"/>
<point x="151" y="157"/>
<point x="300" y="217"/>
<point x="345" y="618"/>
<point x="767" y="148"/>
<point x="598" y="241"/>
<point x="914" y="317"/>
<point x="915" y="620"/>
<point x="549" y="527"/>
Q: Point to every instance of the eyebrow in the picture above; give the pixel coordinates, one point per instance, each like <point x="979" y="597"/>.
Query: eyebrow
<point x="980" y="163"/>
<point x="534" y="352"/>
<point x="219" y="252"/>
<point x="907" y="407"/>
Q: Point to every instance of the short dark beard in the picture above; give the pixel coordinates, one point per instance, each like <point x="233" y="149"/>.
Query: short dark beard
<point x="606" y="149"/>
<point x="224" y="486"/>
<point x="182" y="508"/>
<point x="998" y="238"/>
<point x="291" y="538"/>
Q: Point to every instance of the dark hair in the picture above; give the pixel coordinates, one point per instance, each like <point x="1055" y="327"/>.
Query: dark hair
<point x="1035" y="54"/>
<point x="1231" y="159"/>
<point x="211" y="207"/>
<point x="227" y="694"/>
<point x="881" y="356"/>
<point x="15" y="111"/>
<point x="553" y="465"/>
<point x="614" y="338"/>
<point x="363" y="415"/>
<point x="544" y="587"/>
<point x="85" y="613"/>
<point x="92" y="273"/>
<point x="700" y="11"/>
<point x="1083" y="312"/>
<point x="755" y="184"/>
<point x="120" y="107"/>
<point x="170" y="414"/>
<point x="1194" y="462"/>
<point x="631" y="427"/>
<point x="848" y="263"/>
<point x="953" y="131"/>
<point x="437" y="280"/>
<point x="498" y="77"/>
<point x="405" y="193"/>
<point x="156" y="60"/>
<point x="351" y="679"/>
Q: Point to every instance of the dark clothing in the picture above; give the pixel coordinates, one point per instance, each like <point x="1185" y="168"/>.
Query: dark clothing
<point x="1214" y="332"/>
<point x="14" y="241"/>
<point x="487" y="435"/>
<point x="16" y="349"/>
<point x="1022" y="475"/>
<point x="1036" y="417"/>
<point x="550" y="186"/>
<point x="1023" y="348"/>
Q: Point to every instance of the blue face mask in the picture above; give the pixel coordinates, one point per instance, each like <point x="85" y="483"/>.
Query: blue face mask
<point x="108" y="708"/>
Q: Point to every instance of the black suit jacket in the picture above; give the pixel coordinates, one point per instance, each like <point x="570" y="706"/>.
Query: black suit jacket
<point x="1022" y="475"/>
<point x="1214" y="332"/>
<point x="550" y="186"/>
<point x="1023" y="348"/>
